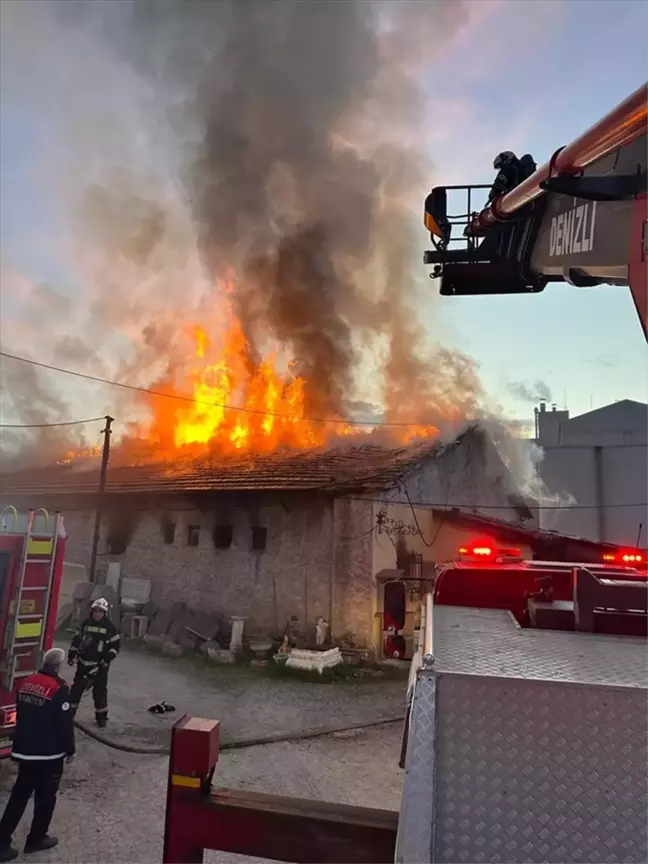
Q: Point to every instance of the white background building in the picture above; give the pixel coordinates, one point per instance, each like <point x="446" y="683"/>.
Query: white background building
<point x="600" y="459"/>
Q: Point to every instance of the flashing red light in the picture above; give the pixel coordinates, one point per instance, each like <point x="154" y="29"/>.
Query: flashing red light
<point x="480" y="550"/>
<point x="484" y="549"/>
<point x="624" y="558"/>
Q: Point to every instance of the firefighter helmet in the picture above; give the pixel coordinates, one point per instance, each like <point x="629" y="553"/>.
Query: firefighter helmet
<point x="503" y="158"/>
<point x="100" y="603"/>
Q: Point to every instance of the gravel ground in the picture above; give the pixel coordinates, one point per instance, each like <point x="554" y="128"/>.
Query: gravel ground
<point x="111" y="805"/>
<point x="247" y="702"/>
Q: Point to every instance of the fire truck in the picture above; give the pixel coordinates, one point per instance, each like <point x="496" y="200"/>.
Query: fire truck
<point x="581" y="218"/>
<point x="32" y="551"/>
<point x="525" y="737"/>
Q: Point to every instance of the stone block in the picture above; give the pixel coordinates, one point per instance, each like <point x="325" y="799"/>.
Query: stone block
<point x="220" y="655"/>
<point x="64" y="615"/>
<point x="82" y="591"/>
<point x="210" y="645"/>
<point x="126" y="624"/>
<point x="172" y="649"/>
<point x="113" y="575"/>
<point x="154" y="641"/>
<point x="150" y="610"/>
<point x="160" y="625"/>
<point x="136" y="591"/>
<point x="178" y="613"/>
<point x="196" y="628"/>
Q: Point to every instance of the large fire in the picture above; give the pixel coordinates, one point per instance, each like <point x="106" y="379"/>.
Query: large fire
<point x="240" y="405"/>
<point x="266" y="407"/>
<point x="227" y="403"/>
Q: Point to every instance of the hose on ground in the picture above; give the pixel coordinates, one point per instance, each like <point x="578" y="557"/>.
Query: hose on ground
<point x="240" y="744"/>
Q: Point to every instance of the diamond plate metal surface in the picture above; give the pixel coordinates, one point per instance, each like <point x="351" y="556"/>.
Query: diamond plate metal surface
<point x="415" y="824"/>
<point x="489" y="642"/>
<point x="534" y="771"/>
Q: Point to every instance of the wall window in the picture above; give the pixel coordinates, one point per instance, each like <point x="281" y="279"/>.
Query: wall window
<point x="259" y="538"/>
<point x="222" y="536"/>
<point x="193" y="535"/>
<point x="168" y="532"/>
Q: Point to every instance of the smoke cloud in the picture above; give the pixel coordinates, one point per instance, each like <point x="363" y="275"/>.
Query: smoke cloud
<point x="537" y="391"/>
<point x="268" y="153"/>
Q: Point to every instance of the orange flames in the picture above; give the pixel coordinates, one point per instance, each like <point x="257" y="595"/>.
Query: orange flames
<point x="230" y="404"/>
<point x="239" y="406"/>
<point x="82" y="452"/>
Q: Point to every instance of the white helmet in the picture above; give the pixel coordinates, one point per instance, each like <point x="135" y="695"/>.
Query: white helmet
<point x="100" y="603"/>
<point x="502" y="158"/>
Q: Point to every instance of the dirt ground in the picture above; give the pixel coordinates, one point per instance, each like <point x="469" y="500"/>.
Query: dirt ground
<point x="111" y="804"/>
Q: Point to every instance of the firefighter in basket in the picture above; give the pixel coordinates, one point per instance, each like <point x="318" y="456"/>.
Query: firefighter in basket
<point x="511" y="171"/>
<point x="93" y="648"/>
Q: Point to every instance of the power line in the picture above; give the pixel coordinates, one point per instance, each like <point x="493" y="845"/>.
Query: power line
<point x="467" y="507"/>
<point x="49" y="425"/>
<point x="336" y="420"/>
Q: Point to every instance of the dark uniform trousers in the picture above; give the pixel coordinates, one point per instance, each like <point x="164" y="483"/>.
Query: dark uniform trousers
<point x="40" y="777"/>
<point x="98" y="682"/>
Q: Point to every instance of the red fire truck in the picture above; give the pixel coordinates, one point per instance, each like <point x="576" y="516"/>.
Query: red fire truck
<point x="32" y="551"/>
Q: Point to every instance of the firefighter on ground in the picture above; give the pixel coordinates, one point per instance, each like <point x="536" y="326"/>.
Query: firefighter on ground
<point x="93" y="648"/>
<point x="511" y="171"/>
<point x="43" y="740"/>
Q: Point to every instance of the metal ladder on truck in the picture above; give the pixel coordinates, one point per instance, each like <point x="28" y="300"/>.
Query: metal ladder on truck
<point x="28" y="612"/>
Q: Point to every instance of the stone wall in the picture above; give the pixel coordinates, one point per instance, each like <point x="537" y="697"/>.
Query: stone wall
<point x="354" y="591"/>
<point x="288" y="577"/>
<point x="302" y="572"/>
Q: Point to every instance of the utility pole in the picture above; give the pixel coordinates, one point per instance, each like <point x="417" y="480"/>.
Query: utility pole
<point x="100" y="496"/>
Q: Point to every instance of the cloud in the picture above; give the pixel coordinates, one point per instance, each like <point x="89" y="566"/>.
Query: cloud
<point x="605" y="361"/>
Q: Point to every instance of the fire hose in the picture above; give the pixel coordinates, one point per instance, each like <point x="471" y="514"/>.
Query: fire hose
<point x="241" y="743"/>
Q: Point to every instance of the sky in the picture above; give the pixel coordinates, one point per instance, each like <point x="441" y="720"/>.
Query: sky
<point x="525" y="75"/>
<point x="538" y="74"/>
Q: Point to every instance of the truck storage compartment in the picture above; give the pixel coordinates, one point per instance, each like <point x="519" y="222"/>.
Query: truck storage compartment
<point x="525" y="745"/>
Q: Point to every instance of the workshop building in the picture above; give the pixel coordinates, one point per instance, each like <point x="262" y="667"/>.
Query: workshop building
<point x="283" y="536"/>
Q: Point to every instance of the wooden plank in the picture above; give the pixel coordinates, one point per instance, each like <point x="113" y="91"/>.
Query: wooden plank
<point x="294" y="829"/>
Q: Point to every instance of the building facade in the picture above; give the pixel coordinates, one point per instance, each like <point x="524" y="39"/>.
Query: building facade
<point x="299" y="538"/>
<point x="598" y="462"/>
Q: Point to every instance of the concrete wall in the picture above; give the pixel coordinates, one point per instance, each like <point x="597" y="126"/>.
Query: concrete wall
<point x="599" y="459"/>
<point x="471" y="477"/>
<point x="600" y="480"/>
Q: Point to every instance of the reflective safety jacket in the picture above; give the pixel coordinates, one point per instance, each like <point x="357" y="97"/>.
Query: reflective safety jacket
<point x="95" y="642"/>
<point x="44" y="719"/>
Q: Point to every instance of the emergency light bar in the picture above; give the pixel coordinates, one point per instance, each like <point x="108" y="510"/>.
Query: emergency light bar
<point x="487" y="550"/>
<point x="628" y="557"/>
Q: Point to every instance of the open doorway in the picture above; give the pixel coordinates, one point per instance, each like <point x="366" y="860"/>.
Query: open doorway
<point x="394" y="615"/>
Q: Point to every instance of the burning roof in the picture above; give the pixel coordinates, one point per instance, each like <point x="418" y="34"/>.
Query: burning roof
<point x="361" y="468"/>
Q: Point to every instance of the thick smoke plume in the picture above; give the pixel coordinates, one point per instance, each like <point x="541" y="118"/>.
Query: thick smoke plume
<point x="269" y="153"/>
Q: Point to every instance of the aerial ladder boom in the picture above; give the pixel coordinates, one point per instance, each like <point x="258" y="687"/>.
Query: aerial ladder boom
<point x="581" y="218"/>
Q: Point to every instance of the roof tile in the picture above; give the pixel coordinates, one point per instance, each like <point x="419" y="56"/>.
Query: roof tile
<point x="363" y="467"/>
